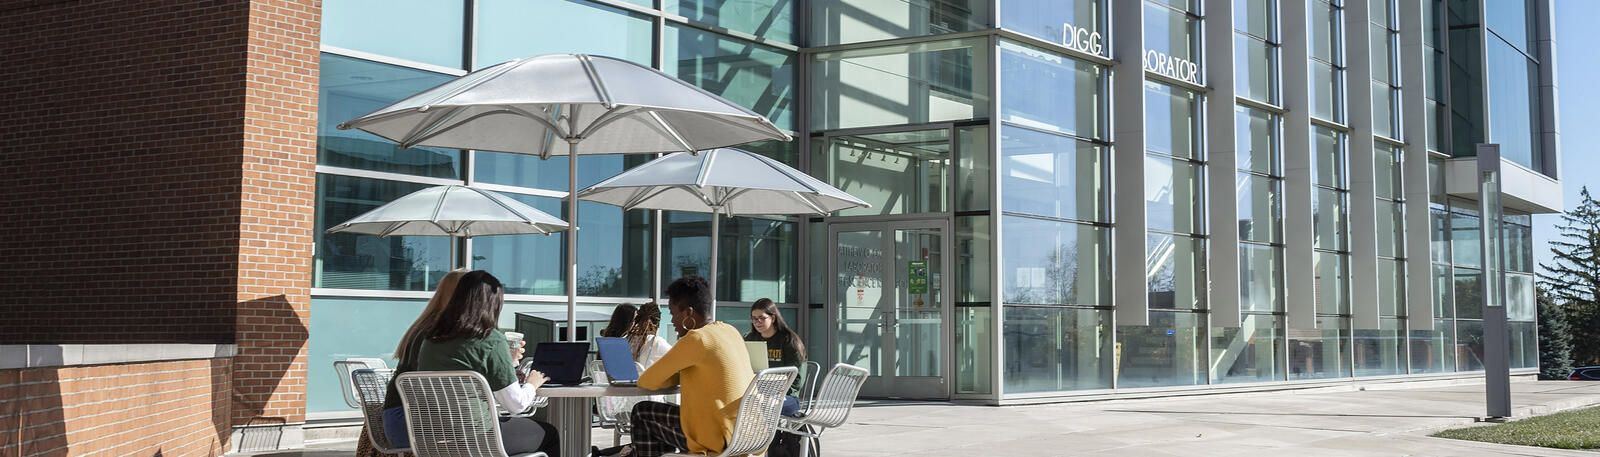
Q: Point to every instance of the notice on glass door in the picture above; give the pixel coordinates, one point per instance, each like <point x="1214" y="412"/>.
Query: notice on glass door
<point x="917" y="277"/>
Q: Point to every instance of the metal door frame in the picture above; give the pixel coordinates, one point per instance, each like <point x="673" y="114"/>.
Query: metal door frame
<point x="886" y="382"/>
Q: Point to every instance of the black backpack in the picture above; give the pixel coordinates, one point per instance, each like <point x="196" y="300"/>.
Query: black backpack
<point x="785" y="444"/>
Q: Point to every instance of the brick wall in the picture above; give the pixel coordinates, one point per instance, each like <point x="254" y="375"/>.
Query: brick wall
<point x="171" y="409"/>
<point x="159" y="164"/>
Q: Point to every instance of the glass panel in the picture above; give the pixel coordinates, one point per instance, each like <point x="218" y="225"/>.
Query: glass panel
<point x="1443" y="292"/>
<point x="528" y="264"/>
<point x="1059" y="94"/>
<point x="1260" y="278"/>
<point x="1255" y="69"/>
<point x="854" y="21"/>
<point x="1514" y="103"/>
<point x="1524" y="341"/>
<point x="1175" y="271"/>
<point x="1249" y="352"/>
<point x="757" y="257"/>
<point x="1380" y="12"/>
<point x="1256" y="137"/>
<point x="1328" y="218"/>
<point x="1382" y="55"/>
<point x="1327" y="146"/>
<point x="513" y="29"/>
<point x="1260" y="208"/>
<point x="1464" y="245"/>
<point x="1469" y="345"/>
<point x="973" y="175"/>
<point x="353" y="87"/>
<point x="1390" y="228"/>
<point x="1256" y="17"/>
<point x="1433" y="350"/>
<point x="1051" y="175"/>
<point x="896" y="172"/>
<point x="1385" y="116"/>
<point x="817" y="266"/>
<point x="902" y="84"/>
<point x="1181" y="5"/>
<point x="1078" y="24"/>
<point x="1332" y="282"/>
<point x="349" y="327"/>
<point x="1168" y="352"/>
<point x="1325" y="34"/>
<point x="1519" y="247"/>
<point x="858" y="293"/>
<point x="1318" y="354"/>
<point x="614" y="251"/>
<point x="1391" y="287"/>
<point x="1050" y="349"/>
<point x="754" y="76"/>
<point x="525" y="170"/>
<point x="1326" y="95"/>
<point x="1061" y="264"/>
<point x="1386" y="161"/>
<point x="389" y="28"/>
<point x="1469" y="293"/>
<point x="351" y="261"/>
<point x="1172" y="120"/>
<point x="1171" y="43"/>
<point x="1434" y="113"/>
<point x="770" y="19"/>
<point x="1172" y="194"/>
<point x="919" y="315"/>
<point x="974" y="350"/>
<point x="1521" y="304"/>
<point x="1513" y="21"/>
<point x="974" y="259"/>
<point x="1380" y="352"/>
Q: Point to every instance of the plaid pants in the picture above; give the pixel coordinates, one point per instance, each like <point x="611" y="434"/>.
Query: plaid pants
<point x="656" y="429"/>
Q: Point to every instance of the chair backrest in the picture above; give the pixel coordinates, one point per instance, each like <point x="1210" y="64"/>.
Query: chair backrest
<point x="813" y="370"/>
<point x="758" y="411"/>
<point x="597" y="371"/>
<point x="837" y="395"/>
<point x="372" y="386"/>
<point x="344" y="367"/>
<point x="450" y="414"/>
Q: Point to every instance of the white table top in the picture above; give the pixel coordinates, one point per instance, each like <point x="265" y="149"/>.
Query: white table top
<point x="601" y="390"/>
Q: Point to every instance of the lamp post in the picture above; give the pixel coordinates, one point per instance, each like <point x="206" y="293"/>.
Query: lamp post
<point x="1496" y="348"/>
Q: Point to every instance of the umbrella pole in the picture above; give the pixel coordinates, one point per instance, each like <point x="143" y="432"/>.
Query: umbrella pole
<point x="572" y="241"/>
<point x="716" y="216"/>
<point x="451" y="265"/>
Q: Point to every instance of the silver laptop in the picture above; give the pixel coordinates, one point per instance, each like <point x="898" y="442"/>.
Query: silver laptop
<point x="758" y="354"/>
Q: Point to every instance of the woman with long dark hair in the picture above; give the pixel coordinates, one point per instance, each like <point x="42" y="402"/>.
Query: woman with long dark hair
<point x="621" y="321"/>
<point x="466" y="336"/>
<point x="784" y="348"/>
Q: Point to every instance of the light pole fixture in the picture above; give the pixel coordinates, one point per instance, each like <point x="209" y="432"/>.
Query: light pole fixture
<point x="1496" y="347"/>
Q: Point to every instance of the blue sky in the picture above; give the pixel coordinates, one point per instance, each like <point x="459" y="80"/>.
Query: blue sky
<point x="1575" y="40"/>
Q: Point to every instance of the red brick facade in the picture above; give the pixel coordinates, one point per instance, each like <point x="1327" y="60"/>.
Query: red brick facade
<point x="177" y="408"/>
<point x="159" y="159"/>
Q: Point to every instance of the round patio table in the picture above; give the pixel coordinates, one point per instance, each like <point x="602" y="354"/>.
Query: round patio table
<point x="571" y="411"/>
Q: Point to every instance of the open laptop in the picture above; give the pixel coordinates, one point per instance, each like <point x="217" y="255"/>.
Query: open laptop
<point x="618" y="358"/>
<point x="758" y="354"/>
<point x="562" y="362"/>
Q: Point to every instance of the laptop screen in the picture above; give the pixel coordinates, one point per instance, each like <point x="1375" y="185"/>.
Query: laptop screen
<point x="561" y="362"/>
<point x="618" y="359"/>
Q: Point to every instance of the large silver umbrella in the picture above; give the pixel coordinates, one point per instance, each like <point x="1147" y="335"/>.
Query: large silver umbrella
<point x="721" y="182"/>
<point x="453" y="211"/>
<point x="594" y="104"/>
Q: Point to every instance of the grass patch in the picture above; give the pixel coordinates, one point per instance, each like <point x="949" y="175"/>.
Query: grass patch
<point x="1576" y="429"/>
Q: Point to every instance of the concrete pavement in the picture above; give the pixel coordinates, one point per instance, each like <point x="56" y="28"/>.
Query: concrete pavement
<point x="1348" y="420"/>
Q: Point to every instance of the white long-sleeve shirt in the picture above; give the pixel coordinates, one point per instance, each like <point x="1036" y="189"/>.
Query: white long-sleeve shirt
<point x="517" y="397"/>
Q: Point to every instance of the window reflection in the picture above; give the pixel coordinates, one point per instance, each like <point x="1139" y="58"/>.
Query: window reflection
<point x="1319" y="353"/>
<point x="754" y="76"/>
<point x="1062" y="263"/>
<point x="1168" y="352"/>
<point x="351" y="261"/>
<point x="1381" y="351"/>
<point x="1052" y="349"/>
<point x="1176" y="278"/>
<point x="854" y="21"/>
<point x="1249" y="352"/>
<point x="770" y="19"/>
<point x="897" y="85"/>
<point x="351" y="88"/>
<point x="1051" y="175"/>
<point x="1063" y="94"/>
<point x="512" y="29"/>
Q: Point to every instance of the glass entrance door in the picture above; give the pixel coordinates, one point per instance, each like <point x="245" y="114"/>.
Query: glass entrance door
<point x="891" y="305"/>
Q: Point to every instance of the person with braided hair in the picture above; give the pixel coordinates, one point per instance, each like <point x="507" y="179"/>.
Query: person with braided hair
<point x="647" y="346"/>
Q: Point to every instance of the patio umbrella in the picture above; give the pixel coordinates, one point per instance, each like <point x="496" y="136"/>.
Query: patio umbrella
<point x="453" y="211"/>
<point x="728" y="182"/>
<point x="594" y="104"/>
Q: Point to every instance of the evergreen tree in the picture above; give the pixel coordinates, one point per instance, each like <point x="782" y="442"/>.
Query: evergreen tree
<point x="1555" y="340"/>
<point x="1573" y="279"/>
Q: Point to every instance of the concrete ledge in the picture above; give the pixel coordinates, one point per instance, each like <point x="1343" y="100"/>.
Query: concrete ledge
<point x="57" y="355"/>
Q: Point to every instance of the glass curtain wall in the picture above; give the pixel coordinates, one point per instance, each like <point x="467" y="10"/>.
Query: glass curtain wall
<point x="1324" y="352"/>
<point x="370" y="59"/>
<point x="1382" y="351"/>
<point x="1254" y="351"/>
<point x="1171" y="350"/>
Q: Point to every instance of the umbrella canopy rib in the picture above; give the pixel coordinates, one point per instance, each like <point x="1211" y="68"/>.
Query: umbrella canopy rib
<point x="676" y="137"/>
<point x="595" y="80"/>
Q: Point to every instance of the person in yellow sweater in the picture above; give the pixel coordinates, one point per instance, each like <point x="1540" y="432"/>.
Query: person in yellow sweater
<point x="712" y="367"/>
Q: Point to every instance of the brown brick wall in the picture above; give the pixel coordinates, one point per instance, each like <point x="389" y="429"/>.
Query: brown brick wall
<point x="171" y="409"/>
<point x="160" y="167"/>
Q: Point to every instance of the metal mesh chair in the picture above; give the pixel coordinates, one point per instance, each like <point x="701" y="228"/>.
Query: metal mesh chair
<point x="451" y="414"/>
<point x="343" y="368"/>
<point x="613" y="411"/>
<point x="372" y="386"/>
<point x="758" y="412"/>
<point x="813" y="370"/>
<point x="831" y="406"/>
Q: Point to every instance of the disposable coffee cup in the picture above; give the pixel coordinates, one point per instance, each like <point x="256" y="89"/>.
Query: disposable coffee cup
<point x="513" y="339"/>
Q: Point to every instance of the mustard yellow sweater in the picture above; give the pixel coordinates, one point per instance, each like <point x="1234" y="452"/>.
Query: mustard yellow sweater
<point x="713" y="368"/>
